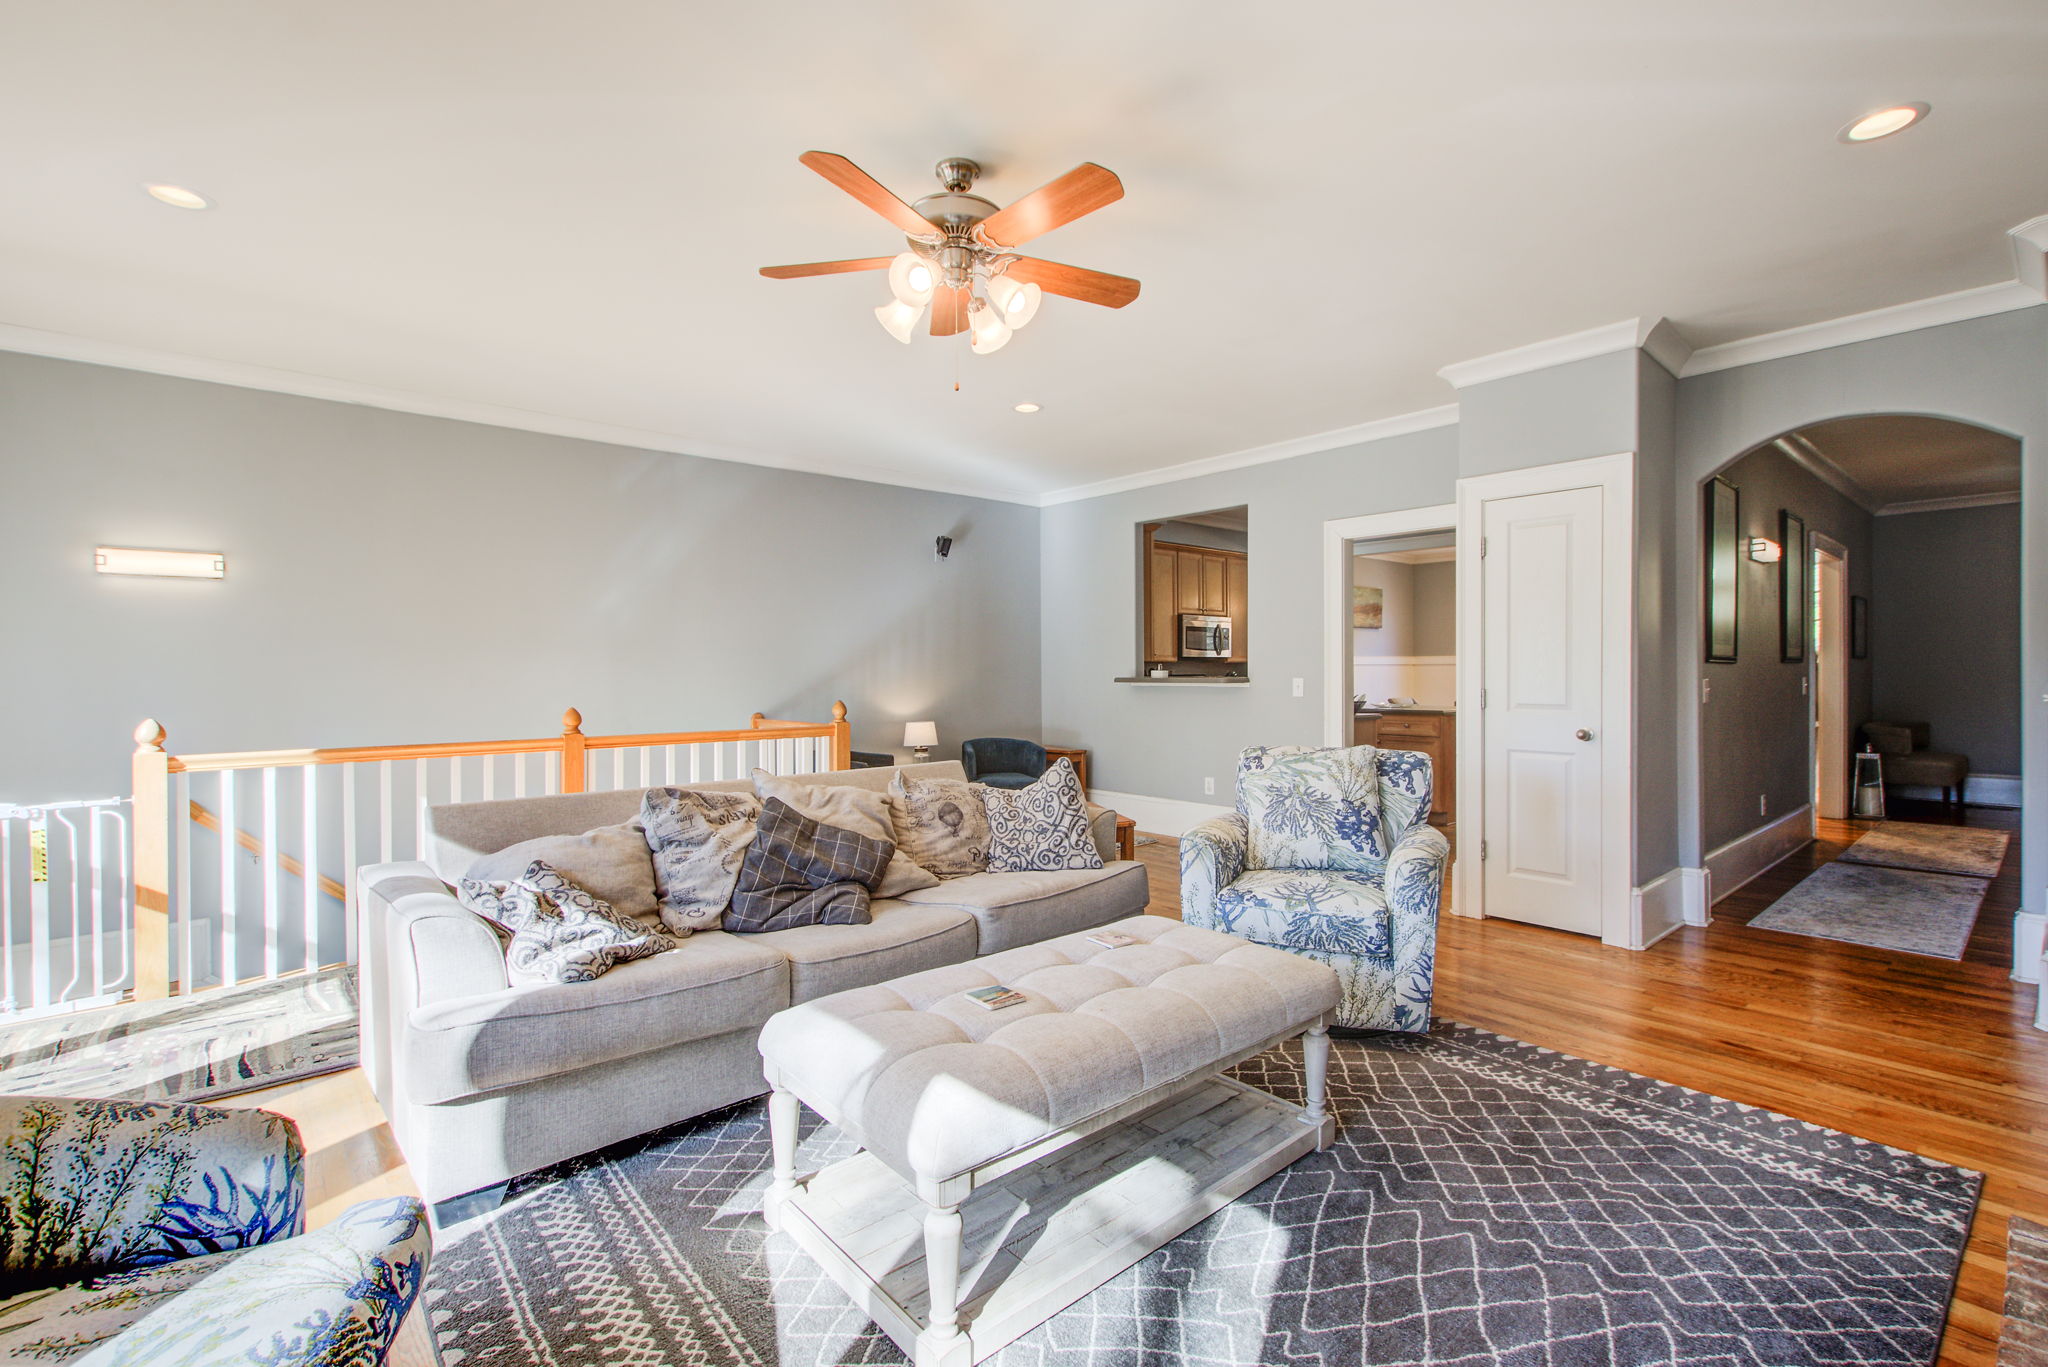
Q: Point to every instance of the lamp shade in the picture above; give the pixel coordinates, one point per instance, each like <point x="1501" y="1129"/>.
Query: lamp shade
<point x="920" y="735"/>
<point x="1017" y="303"/>
<point x="899" y="319"/>
<point x="910" y="279"/>
<point x="990" y="332"/>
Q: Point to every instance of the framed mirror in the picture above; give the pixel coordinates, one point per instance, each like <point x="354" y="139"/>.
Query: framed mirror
<point x="1795" y="591"/>
<point x="1723" y="541"/>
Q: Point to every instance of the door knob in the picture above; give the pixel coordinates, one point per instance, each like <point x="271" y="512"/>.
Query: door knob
<point x="1583" y="734"/>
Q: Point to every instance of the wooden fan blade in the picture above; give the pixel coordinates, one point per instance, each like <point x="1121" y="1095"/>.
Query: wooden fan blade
<point x="868" y="191"/>
<point x="1080" y="191"/>
<point x="949" y="311"/>
<point x="1075" y="282"/>
<point x="865" y="263"/>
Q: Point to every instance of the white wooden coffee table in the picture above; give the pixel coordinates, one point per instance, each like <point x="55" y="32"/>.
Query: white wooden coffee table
<point x="1012" y="1163"/>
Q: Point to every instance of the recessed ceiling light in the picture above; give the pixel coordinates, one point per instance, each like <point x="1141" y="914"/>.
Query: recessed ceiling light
<point x="1883" y="123"/>
<point x="1027" y="408"/>
<point x="178" y="197"/>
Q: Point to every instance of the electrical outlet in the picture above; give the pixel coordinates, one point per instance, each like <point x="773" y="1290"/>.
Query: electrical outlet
<point x="1802" y="685"/>
<point x="1706" y="690"/>
<point x="1298" y="683"/>
<point x="1763" y="804"/>
<point x="1209" y="786"/>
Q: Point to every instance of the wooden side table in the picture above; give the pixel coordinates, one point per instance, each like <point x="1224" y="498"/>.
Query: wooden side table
<point x="1126" y="837"/>
<point x="1079" y="759"/>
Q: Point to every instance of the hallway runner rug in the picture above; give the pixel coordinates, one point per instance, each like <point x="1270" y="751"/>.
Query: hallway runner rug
<point x="1931" y="849"/>
<point x="211" y="1044"/>
<point x="1486" y="1202"/>
<point x="1901" y="909"/>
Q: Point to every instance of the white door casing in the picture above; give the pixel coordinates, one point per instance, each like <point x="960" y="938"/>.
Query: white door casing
<point x="1830" y="678"/>
<point x="1599" y="549"/>
<point x="1543" y="722"/>
<point x="1338" y="534"/>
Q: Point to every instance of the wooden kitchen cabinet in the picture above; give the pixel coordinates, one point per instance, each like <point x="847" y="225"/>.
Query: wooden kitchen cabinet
<point x="1434" y="734"/>
<point x="1181" y="579"/>
<point x="1236" y="598"/>
<point x="1162" y="623"/>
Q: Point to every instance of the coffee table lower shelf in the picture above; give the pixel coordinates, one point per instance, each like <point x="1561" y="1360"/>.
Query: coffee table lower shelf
<point x="1041" y="1238"/>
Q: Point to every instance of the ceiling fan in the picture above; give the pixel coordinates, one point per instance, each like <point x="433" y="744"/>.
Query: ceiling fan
<point x="958" y="239"/>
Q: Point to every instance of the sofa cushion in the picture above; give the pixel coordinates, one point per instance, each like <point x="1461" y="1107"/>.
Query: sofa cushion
<point x="1018" y="908"/>
<point x="800" y="872"/>
<point x="709" y="984"/>
<point x="942" y="823"/>
<point x="852" y="808"/>
<point x="560" y="933"/>
<point x="899" y="938"/>
<point x="1041" y="826"/>
<point x="611" y="863"/>
<point x="697" y="841"/>
<point x="1329" y="910"/>
<point x="1319" y="809"/>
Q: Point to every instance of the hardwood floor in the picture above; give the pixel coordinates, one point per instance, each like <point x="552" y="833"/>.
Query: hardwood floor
<point x="1937" y="1057"/>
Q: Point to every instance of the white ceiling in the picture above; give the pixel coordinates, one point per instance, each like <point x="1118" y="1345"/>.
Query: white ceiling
<point x="560" y="208"/>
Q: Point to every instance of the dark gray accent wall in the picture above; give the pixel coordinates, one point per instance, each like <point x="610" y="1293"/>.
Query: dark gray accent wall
<point x="1755" y="739"/>
<point x="1945" y="629"/>
<point x="1984" y="370"/>
<point x="395" y="578"/>
<point x="1163" y="741"/>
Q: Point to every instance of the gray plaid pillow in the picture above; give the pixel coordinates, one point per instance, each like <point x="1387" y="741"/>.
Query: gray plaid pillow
<point x="560" y="933"/>
<point x="800" y="872"/>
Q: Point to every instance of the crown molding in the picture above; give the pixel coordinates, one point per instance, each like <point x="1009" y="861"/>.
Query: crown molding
<point x="1377" y="430"/>
<point x="68" y="347"/>
<point x="1654" y="335"/>
<point x="1941" y="505"/>
<point x="2030" y="254"/>
<point x="1961" y="306"/>
<point x="1815" y="462"/>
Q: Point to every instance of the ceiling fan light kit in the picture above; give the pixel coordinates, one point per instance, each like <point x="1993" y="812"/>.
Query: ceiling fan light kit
<point x="960" y="241"/>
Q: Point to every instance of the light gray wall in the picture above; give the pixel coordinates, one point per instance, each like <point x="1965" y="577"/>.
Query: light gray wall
<point x="1945" y="629"/>
<point x="1988" y="371"/>
<point x="395" y="578"/>
<point x="1162" y="741"/>
<point x="1436" y="608"/>
<point x="1395" y="634"/>
<point x="1194" y="534"/>
<point x="1568" y="412"/>
<point x="1656" y="738"/>
<point x="1755" y="729"/>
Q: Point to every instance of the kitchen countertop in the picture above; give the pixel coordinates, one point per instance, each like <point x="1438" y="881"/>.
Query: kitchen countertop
<point x="1186" y="681"/>
<point x="1446" y="711"/>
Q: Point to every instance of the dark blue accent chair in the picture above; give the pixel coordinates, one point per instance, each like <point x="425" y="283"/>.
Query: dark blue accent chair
<point x="1001" y="762"/>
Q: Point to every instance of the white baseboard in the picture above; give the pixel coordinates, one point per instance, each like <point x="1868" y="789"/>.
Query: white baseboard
<point x="1156" y="815"/>
<point x="1695" y="896"/>
<point x="1979" y="790"/>
<point x="1742" y="859"/>
<point x="2029" y="930"/>
<point x="1657" y="908"/>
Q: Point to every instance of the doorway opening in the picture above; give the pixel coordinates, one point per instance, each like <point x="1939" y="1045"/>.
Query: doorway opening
<point x="1404" y="655"/>
<point x="1830" y="692"/>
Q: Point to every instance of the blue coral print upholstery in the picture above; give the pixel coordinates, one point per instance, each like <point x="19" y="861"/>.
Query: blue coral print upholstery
<point x="1319" y="809"/>
<point x="1374" y="925"/>
<point x="117" y="1213"/>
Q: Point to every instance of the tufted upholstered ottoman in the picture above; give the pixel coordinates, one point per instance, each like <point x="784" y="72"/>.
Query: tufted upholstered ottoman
<point x="1089" y="1124"/>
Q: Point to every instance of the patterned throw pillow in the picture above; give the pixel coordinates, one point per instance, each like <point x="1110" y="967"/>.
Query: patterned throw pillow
<point x="560" y="933"/>
<point x="1314" y="809"/>
<point x="864" y="811"/>
<point x="800" y="872"/>
<point x="1042" y="827"/>
<point x="941" y="823"/>
<point x="698" y="840"/>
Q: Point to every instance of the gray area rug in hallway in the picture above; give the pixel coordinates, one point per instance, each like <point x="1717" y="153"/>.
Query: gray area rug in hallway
<point x="1487" y="1202"/>
<point x="1931" y="848"/>
<point x="1903" y="909"/>
<point x="211" y="1044"/>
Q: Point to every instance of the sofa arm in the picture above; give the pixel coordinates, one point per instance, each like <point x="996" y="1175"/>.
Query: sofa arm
<point x="1102" y="827"/>
<point x="1211" y="859"/>
<point x="1415" y="873"/>
<point x="99" y="1186"/>
<point x="437" y="947"/>
<point x="332" y="1298"/>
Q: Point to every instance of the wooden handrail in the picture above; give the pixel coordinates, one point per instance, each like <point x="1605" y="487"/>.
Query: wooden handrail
<point x="289" y="863"/>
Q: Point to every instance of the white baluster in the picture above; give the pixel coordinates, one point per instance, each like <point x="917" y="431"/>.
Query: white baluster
<point x="618" y="770"/>
<point x="181" y="914"/>
<point x="7" y="939"/>
<point x="230" y="886"/>
<point x="519" y="775"/>
<point x="309" y="857"/>
<point x="490" y="763"/>
<point x="669" y="753"/>
<point x="99" y="910"/>
<point x="349" y="861"/>
<point x="273" y="913"/>
<point x="384" y="810"/>
<point x="696" y="763"/>
<point x="553" y="766"/>
<point x="77" y="926"/>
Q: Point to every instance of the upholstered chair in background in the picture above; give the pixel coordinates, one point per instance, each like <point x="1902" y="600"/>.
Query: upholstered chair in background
<point x="1002" y="763"/>
<point x="1329" y="855"/>
<point x="1909" y="762"/>
<point x="145" y="1233"/>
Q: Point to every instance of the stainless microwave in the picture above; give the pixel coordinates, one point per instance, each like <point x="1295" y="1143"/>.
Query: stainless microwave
<point x="1203" y="637"/>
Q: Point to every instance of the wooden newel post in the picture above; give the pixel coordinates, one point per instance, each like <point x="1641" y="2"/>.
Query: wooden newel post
<point x="151" y="802"/>
<point x="574" y="747"/>
<point x="842" y="738"/>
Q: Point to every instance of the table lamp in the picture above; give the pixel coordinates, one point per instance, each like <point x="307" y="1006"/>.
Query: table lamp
<point x="920" y="736"/>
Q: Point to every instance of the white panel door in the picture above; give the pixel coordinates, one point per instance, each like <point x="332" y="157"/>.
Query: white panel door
<point x="1541" y="748"/>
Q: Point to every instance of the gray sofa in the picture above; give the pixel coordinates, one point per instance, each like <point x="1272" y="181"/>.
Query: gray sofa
<point x="483" y="1081"/>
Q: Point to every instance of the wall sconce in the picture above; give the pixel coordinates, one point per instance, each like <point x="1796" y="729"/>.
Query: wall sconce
<point x="920" y="737"/>
<point x="160" y="564"/>
<point x="1765" y="551"/>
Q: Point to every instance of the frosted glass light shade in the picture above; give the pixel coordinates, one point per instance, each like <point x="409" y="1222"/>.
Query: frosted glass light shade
<point x="990" y="332"/>
<point x="899" y="319"/>
<point x="910" y="279"/>
<point x="160" y="564"/>
<point x="1017" y="303"/>
<point x="920" y="735"/>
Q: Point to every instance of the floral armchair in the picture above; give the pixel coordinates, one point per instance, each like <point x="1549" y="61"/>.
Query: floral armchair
<point x="134" y="1232"/>
<point x="1330" y="855"/>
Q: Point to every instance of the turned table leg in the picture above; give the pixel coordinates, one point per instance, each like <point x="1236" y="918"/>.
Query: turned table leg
<point x="782" y="1128"/>
<point x="943" y="1344"/>
<point x="1315" y="1067"/>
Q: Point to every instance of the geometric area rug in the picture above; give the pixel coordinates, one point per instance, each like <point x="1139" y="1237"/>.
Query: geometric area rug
<point x="1486" y="1202"/>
